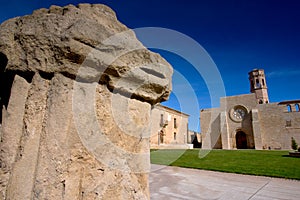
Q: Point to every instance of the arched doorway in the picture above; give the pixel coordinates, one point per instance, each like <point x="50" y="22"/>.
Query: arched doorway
<point x="241" y="140"/>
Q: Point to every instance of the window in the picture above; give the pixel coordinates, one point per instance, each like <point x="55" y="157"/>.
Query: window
<point x="161" y="120"/>
<point x="260" y="102"/>
<point x="175" y="123"/>
<point x="289" y="108"/>
<point x="257" y="85"/>
<point x="174" y="135"/>
<point x="252" y="84"/>
<point x="288" y="123"/>
<point x="297" y="107"/>
<point x="263" y="82"/>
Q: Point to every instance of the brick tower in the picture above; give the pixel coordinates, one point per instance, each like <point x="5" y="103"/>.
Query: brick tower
<point x="258" y="85"/>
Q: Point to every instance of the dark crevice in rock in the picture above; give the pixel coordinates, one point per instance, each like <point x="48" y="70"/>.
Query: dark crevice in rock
<point x="75" y="58"/>
<point x="65" y="10"/>
<point x="50" y="75"/>
<point x="4" y="91"/>
<point x="6" y="82"/>
<point x="63" y="189"/>
<point x="104" y="79"/>
<point x="85" y="42"/>
<point x="153" y="72"/>
<point x="27" y="75"/>
<point x="69" y="75"/>
<point x="46" y="75"/>
<point x="112" y="71"/>
<point x="3" y="62"/>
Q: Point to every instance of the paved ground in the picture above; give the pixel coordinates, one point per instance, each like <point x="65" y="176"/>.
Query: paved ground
<point x="180" y="183"/>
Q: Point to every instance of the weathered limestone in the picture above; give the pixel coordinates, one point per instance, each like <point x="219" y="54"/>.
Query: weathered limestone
<point x="59" y="40"/>
<point x="28" y="142"/>
<point x="76" y="102"/>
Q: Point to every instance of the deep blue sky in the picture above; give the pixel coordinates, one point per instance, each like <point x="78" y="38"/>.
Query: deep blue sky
<point x="239" y="35"/>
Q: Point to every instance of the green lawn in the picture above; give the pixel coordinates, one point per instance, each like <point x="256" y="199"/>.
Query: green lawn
<point x="254" y="162"/>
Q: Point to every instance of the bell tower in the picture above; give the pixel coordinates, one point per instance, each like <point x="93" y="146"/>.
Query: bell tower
<point x="258" y="85"/>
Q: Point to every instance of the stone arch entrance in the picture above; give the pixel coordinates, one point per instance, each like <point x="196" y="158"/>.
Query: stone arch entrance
<point x="241" y="140"/>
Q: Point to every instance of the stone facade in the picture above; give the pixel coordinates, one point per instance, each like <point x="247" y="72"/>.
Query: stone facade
<point x="169" y="127"/>
<point x="249" y="121"/>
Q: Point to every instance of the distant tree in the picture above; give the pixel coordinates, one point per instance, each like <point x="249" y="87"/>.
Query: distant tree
<point x="294" y="144"/>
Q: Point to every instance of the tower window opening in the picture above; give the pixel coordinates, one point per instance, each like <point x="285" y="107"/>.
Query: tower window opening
<point x="289" y="108"/>
<point x="297" y="107"/>
<point x="260" y="102"/>
<point x="263" y="82"/>
<point x="257" y="84"/>
<point x="174" y="135"/>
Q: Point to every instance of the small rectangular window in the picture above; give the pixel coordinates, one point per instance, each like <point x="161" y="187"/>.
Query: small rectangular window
<point x="175" y="123"/>
<point x="174" y="135"/>
<point x="161" y="120"/>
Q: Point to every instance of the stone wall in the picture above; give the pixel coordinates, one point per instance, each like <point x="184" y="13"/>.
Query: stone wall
<point x="210" y="128"/>
<point x="275" y="130"/>
<point x="76" y="102"/>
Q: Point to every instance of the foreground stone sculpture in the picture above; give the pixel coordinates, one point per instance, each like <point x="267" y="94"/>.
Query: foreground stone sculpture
<point x="76" y="95"/>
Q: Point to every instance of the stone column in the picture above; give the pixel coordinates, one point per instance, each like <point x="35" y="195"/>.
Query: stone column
<point x="77" y="121"/>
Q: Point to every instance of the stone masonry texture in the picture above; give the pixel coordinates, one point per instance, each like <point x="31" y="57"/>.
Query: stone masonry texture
<point x="76" y="94"/>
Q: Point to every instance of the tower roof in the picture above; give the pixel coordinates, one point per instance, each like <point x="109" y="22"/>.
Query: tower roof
<point x="256" y="70"/>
